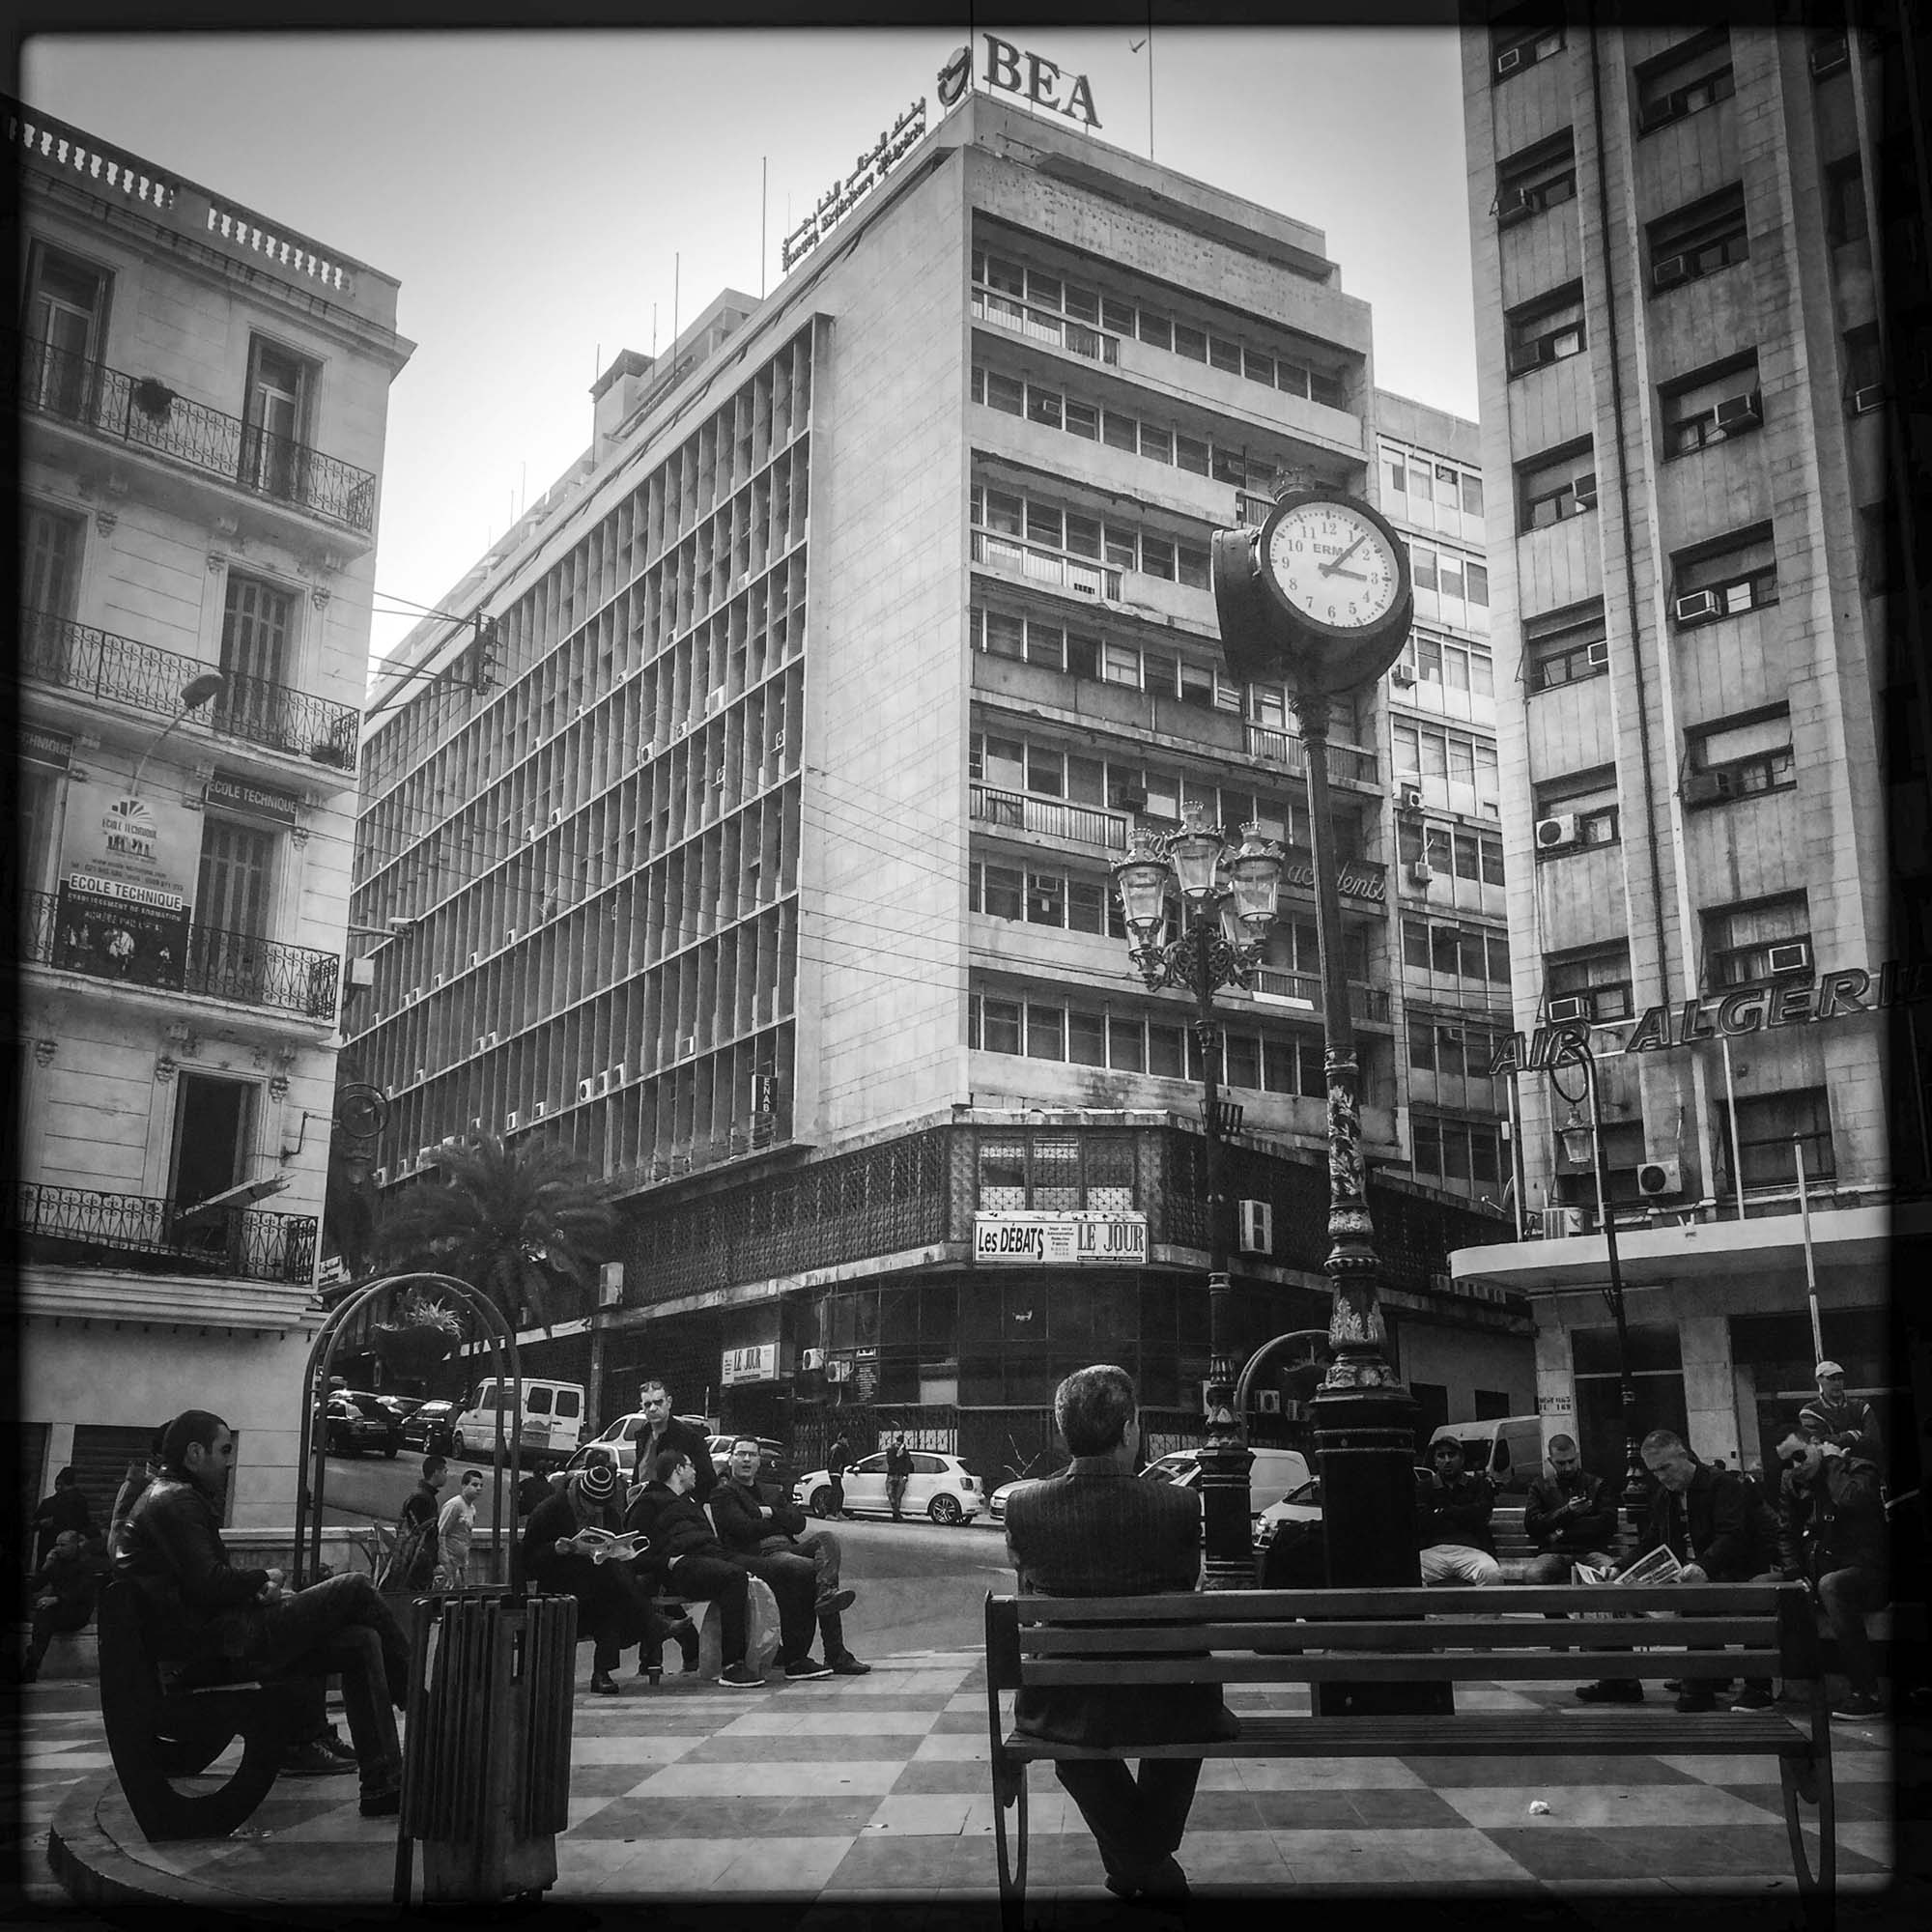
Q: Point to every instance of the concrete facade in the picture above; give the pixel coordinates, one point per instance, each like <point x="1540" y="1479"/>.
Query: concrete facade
<point x="202" y="412"/>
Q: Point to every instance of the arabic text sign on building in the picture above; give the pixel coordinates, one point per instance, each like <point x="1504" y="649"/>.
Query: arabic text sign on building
<point x="1044" y="1240"/>
<point x="756" y="1363"/>
<point x="841" y="197"/>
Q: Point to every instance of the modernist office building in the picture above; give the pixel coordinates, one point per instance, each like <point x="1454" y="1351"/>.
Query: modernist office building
<point x="1702" y="318"/>
<point x="201" y="397"/>
<point x="768" y="868"/>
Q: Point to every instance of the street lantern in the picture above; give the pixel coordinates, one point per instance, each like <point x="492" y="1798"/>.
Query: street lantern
<point x="1142" y="879"/>
<point x="1575" y="1134"/>
<point x="1196" y="852"/>
<point x="1256" y="871"/>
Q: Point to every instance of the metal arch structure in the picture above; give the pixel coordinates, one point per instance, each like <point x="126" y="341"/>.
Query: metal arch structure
<point x="1247" y="1376"/>
<point x="312" y="1465"/>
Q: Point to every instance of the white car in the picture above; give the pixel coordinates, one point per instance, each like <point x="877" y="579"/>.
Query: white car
<point x="1270" y="1471"/>
<point x="1304" y="1504"/>
<point x="942" y="1487"/>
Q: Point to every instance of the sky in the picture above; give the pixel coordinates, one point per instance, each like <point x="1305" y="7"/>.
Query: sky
<point x="538" y="194"/>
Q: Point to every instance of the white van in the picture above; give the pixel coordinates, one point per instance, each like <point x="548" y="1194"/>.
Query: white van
<point x="551" y="1420"/>
<point x="1508" y="1449"/>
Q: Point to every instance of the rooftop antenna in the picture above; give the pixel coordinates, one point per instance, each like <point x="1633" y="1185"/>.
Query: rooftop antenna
<point x="677" y="263"/>
<point x="764" y="205"/>
<point x="654" y="331"/>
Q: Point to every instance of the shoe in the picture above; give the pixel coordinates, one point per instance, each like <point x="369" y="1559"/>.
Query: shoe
<point x="383" y="1804"/>
<point x="1856" y="1704"/>
<point x="334" y="1746"/>
<point x="849" y="1665"/>
<point x="800" y="1669"/>
<point x="688" y="1667"/>
<point x="843" y="1600"/>
<point x="740" y="1677"/>
<point x="1166" y="1882"/>
<point x="315" y="1760"/>
<point x="1753" y="1697"/>
<point x="604" y="1683"/>
<point x="1697" y="1700"/>
<point x="1673" y="1685"/>
<point x="1610" y="1691"/>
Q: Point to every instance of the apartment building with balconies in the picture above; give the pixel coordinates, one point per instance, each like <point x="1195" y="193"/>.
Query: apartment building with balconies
<point x="1700" y="274"/>
<point x="201" y="397"/>
<point x="771" y="874"/>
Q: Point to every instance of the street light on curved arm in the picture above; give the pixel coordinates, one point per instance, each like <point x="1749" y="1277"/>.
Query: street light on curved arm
<point x="195" y="693"/>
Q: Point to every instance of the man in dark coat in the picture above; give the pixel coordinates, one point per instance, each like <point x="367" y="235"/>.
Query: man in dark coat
<point x="666" y="1431"/>
<point x="1833" y="1416"/>
<point x="228" y="1625"/>
<point x="64" y="1593"/>
<point x="1092" y="1530"/>
<point x="613" y="1607"/>
<point x="68" y="1508"/>
<point x="898" y="1474"/>
<point x="1452" y="1521"/>
<point x="1832" y="1532"/>
<point x="1569" y="1516"/>
<point x="767" y="1532"/>
<point x="837" y="1460"/>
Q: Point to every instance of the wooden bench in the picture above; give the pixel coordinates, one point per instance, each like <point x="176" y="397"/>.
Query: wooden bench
<point x="1391" y="1636"/>
<point x="156" y="1735"/>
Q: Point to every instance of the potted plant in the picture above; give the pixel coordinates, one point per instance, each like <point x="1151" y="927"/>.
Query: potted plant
<point x="420" y="1334"/>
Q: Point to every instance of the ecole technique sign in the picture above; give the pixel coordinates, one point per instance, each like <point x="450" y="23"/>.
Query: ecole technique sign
<point x="1043" y="1241"/>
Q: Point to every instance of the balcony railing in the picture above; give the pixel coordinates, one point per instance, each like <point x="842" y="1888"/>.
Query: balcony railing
<point x="1044" y="324"/>
<point x="147" y="414"/>
<point x="216" y="964"/>
<point x="98" y="664"/>
<point x="75" y="1227"/>
<point x="1045" y="566"/>
<point x="1365" y="1002"/>
<point x="1052" y="818"/>
<point x="1286" y="747"/>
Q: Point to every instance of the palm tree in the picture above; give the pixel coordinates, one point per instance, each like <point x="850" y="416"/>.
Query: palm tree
<point x="526" y="1226"/>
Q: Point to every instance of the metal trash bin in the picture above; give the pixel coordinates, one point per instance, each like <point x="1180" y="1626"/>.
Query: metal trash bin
<point x="485" y="1754"/>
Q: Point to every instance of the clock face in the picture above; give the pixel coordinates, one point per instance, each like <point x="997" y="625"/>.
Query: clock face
<point x="1331" y="564"/>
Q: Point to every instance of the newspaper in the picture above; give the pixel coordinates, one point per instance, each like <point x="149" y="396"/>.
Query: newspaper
<point x="608" y="1548"/>
<point x="1654" y="1566"/>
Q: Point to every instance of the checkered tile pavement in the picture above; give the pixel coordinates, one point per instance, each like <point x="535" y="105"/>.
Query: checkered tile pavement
<point x="874" y="1792"/>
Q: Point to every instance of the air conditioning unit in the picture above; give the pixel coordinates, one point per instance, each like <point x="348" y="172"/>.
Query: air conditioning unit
<point x="388" y="1089"/>
<point x="713" y="701"/>
<point x="1508" y="61"/>
<point x="436" y="981"/>
<point x="1573" y="1006"/>
<point x="1735" y="412"/>
<point x="422" y="1074"/>
<point x="679" y="729"/>
<point x="511" y="935"/>
<point x="476" y="958"/>
<point x="1402" y="673"/>
<point x="1584" y="497"/>
<point x="1792" y="957"/>
<point x="1513" y="204"/>
<point x="1553" y="833"/>
<point x="1257" y="1227"/>
<point x="532" y="831"/>
<point x="1830" y="59"/>
<point x="1409" y="799"/>
<point x="1422" y="872"/>
<point x="557" y="814"/>
<point x="1696" y="608"/>
<point x="413" y="996"/>
<point x="1267" y="1401"/>
<point x="1868" y="399"/>
<point x="812" y="1358"/>
<point x="610" y="1284"/>
<point x="1705" y="787"/>
<point x="618" y="1074"/>
<point x="1560" y="1221"/>
<point x="652" y="746"/>
<point x="1667" y="271"/>
<point x="687" y="1045"/>
<point x="380" y="1176"/>
<point x="512" y="1121"/>
<point x="361" y="971"/>
<point x="586" y="1090"/>
<point x="1660" y="1177"/>
<point x="426" y="1157"/>
<point x="1599" y="654"/>
<point x="838" y="1370"/>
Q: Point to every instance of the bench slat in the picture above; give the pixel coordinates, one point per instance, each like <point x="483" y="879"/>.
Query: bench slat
<point x="1381" y="1667"/>
<point x="1535" y="1633"/>
<point x="1380" y="1604"/>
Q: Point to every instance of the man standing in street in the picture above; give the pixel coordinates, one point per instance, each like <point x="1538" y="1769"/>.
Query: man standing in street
<point x="1094" y="1531"/>
<point x="415" y="1566"/>
<point x="1568" y="1517"/>
<point x="1832" y="1532"/>
<point x="456" y="1530"/>
<point x="664" y="1430"/>
<point x="898" y="1474"/>
<point x="227" y="1625"/>
<point x="837" y="1460"/>
<point x="766" y="1532"/>
<point x="1452" y="1521"/>
<point x="1833" y="1416"/>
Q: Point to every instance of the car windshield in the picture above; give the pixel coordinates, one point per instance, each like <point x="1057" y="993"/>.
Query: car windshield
<point x="1169" y="1468"/>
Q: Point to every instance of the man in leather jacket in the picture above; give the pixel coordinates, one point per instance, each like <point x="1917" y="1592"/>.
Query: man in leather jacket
<point x="1832" y="1532"/>
<point x="1567" y="1515"/>
<point x="1453" y="1522"/>
<point x="766" y="1532"/>
<point x="226" y="1624"/>
<point x="666" y="1431"/>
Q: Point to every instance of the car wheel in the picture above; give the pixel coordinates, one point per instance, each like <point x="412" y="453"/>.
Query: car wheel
<point x="456" y="1445"/>
<point x="820" y="1504"/>
<point x="945" y="1511"/>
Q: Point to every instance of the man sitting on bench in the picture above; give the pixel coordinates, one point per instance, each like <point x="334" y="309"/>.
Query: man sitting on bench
<point x="224" y="1625"/>
<point x="1831" y="1532"/>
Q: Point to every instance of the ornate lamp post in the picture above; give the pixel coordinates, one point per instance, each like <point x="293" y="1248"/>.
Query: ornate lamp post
<point x="1584" y="1141"/>
<point x="1220" y="930"/>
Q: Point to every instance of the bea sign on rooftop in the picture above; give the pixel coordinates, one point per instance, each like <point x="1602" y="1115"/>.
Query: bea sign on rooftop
<point x="1028" y="74"/>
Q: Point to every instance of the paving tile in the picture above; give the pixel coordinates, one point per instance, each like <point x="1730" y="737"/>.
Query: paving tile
<point x="675" y="1868"/>
<point x="790" y="1868"/>
<point x="639" y="1750"/>
<point x="1393" y="1808"/>
<point x="650" y="1815"/>
<point x="802" y="1748"/>
<point x="1659" y="1851"/>
<point x="954" y="1750"/>
<point x="1322" y="1773"/>
<point x="1855" y="1803"/>
<point x="911" y="1863"/>
<point x="913" y="1815"/>
<point x="876" y="1776"/>
<point x="942" y="1776"/>
<point x="1400" y="1854"/>
<point x="1605" y="1807"/>
<point x="1437" y="1772"/>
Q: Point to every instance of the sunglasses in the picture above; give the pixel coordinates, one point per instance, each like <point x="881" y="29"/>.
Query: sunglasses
<point x="1795" y="1460"/>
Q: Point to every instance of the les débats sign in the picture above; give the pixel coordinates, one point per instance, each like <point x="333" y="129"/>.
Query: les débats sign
<point x="1832" y="996"/>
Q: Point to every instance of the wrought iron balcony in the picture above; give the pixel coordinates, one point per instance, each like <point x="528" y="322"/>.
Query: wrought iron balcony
<point x="1365" y="1002"/>
<point x="76" y="1227"/>
<point x="1052" y="817"/>
<point x="98" y="664"/>
<point x="216" y="964"/>
<point x="1284" y="748"/>
<point x="147" y="414"/>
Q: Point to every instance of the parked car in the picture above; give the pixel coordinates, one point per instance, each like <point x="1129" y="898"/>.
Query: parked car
<point x="431" y="1428"/>
<point x="350" y="1428"/>
<point x="550" y="1424"/>
<point x="1288" y="1536"/>
<point x="401" y="1407"/>
<point x="942" y="1487"/>
<point x="1270" y="1473"/>
<point x="377" y="1409"/>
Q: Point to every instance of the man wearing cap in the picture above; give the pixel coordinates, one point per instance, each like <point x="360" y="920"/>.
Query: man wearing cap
<point x="1833" y="1416"/>
<point x="612" y="1608"/>
<point x="1831" y="1533"/>
<point x="1452" y="1521"/>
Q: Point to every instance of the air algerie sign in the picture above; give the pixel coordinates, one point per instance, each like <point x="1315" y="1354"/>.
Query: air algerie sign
<point x="1832" y="996"/>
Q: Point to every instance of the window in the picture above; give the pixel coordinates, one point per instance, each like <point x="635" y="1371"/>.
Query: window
<point x="1083" y="420"/>
<point x="255" y="642"/>
<point x="1473" y="498"/>
<point x="1747" y="945"/>
<point x="1005" y="394"/>
<point x="1456" y="1153"/>
<point x="50" y="551"/>
<point x="1700" y="240"/>
<point x="236" y="865"/>
<point x="1565" y="646"/>
<point x="1558" y="484"/>
<point x="1576" y="812"/>
<point x="275" y="419"/>
<point x="1521" y="39"/>
<point x="1547" y="329"/>
<point x="1599" y="977"/>
<point x="1043" y="406"/>
<point x="67" y="313"/>
<point x="1772" y="1129"/>
<point x="1536" y="179"/>
<point x="1739" y="757"/>
<point x="1694" y="74"/>
<point x="1711" y="405"/>
<point x="997" y="891"/>
<point x="1000" y="1032"/>
<point x="1844" y="203"/>
<point x="1718" y="580"/>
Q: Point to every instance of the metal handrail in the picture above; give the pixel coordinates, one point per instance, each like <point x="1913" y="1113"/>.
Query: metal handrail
<point x="77" y="657"/>
<point x="1045" y="325"/>
<point x="1051" y="817"/>
<point x="1286" y="747"/>
<point x="76" y="1225"/>
<point x="147" y="414"/>
<point x="1046" y="566"/>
